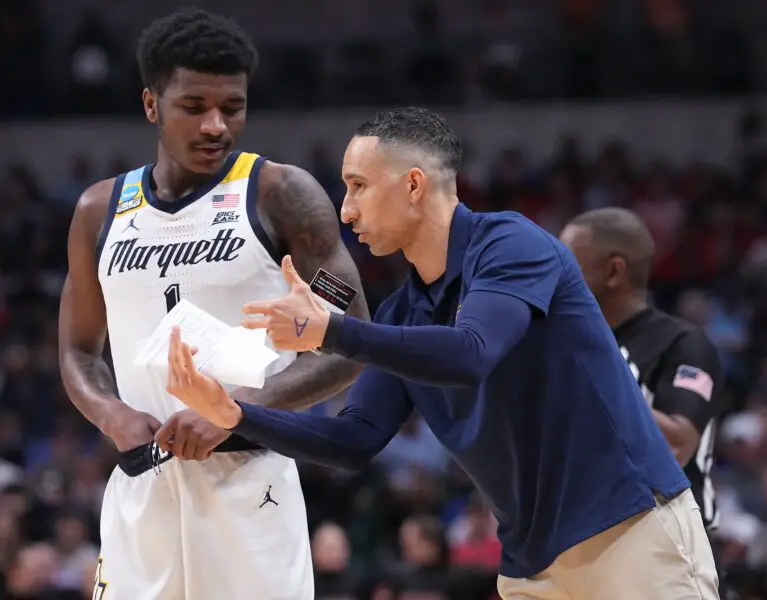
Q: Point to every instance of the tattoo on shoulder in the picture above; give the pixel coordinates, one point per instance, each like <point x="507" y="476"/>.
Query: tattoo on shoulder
<point x="301" y="213"/>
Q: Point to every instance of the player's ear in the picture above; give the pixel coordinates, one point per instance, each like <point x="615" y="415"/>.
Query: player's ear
<point x="415" y="181"/>
<point x="150" y="105"/>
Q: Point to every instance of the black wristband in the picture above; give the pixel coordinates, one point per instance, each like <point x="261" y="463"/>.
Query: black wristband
<point x="332" y="334"/>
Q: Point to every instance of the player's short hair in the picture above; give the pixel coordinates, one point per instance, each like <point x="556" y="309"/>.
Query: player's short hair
<point x="193" y="39"/>
<point x="621" y="231"/>
<point x="419" y="129"/>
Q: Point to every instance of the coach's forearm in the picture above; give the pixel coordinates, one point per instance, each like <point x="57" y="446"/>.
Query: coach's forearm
<point x="488" y="326"/>
<point x="309" y="380"/>
<point x="344" y="441"/>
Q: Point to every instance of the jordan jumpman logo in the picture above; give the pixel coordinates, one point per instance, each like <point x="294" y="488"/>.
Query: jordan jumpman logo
<point x="131" y="224"/>
<point x="268" y="498"/>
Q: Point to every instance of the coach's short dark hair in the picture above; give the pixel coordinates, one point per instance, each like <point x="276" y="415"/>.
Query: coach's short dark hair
<point x="193" y="39"/>
<point x="621" y="231"/>
<point x="419" y="128"/>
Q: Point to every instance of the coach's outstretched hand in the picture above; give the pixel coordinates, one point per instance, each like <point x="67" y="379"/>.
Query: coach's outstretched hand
<point x="294" y="322"/>
<point x="203" y="395"/>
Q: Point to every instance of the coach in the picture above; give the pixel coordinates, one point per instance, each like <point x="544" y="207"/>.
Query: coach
<point x="498" y="342"/>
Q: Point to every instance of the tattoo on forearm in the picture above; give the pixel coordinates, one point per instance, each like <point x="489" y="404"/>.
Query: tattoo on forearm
<point x="95" y="372"/>
<point x="300" y="326"/>
<point x="89" y="384"/>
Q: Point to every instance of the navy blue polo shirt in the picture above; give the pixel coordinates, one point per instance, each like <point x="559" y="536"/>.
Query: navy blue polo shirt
<point x="554" y="432"/>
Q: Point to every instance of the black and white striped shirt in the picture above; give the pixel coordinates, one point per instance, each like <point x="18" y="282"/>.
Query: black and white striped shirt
<point x="679" y="371"/>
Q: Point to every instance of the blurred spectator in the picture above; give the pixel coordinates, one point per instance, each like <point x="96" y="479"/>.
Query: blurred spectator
<point x="659" y="207"/>
<point x="93" y="65"/>
<point x="742" y="445"/>
<point x="506" y="188"/>
<point x="76" y="552"/>
<point x="611" y="185"/>
<point x="424" y="572"/>
<point x="324" y="167"/>
<point x="333" y="578"/>
<point x="737" y="542"/>
<point x="79" y="179"/>
<point x="670" y="60"/>
<point x="473" y="538"/>
<point x="431" y="70"/>
<point x="32" y="576"/>
<point x="413" y="453"/>
<point x="23" y="48"/>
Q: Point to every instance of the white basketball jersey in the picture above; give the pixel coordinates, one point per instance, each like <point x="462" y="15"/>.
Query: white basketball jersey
<point x="208" y="248"/>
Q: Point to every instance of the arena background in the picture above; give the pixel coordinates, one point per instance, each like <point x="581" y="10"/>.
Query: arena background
<point x="564" y="105"/>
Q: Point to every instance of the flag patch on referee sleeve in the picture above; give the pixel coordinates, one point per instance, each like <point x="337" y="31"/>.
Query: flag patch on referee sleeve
<point x="694" y="379"/>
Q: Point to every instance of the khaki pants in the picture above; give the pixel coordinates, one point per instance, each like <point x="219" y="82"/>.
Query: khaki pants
<point x="660" y="554"/>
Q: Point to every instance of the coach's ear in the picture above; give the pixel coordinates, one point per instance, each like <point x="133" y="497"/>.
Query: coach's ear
<point x="150" y="105"/>
<point x="415" y="181"/>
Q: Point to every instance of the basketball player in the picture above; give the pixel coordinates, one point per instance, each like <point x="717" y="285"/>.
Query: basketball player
<point x="676" y="365"/>
<point x="223" y="518"/>
<point x="496" y="340"/>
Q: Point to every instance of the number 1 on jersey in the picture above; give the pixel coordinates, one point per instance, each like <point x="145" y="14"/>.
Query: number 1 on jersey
<point x="172" y="296"/>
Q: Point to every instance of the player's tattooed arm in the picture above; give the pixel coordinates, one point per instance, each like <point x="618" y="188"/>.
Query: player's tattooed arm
<point x="300" y="219"/>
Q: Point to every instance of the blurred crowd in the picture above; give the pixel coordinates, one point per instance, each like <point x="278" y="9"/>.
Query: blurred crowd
<point x="409" y="526"/>
<point x="81" y="59"/>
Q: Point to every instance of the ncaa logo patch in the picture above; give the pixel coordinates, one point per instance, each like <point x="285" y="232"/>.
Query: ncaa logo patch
<point x="130" y="198"/>
<point x="129" y="193"/>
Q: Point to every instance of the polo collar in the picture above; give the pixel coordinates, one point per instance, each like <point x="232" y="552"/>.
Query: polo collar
<point x="458" y="241"/>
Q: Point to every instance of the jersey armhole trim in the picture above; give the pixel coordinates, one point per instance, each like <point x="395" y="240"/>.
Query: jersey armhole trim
<point x="110" y="216"/>
<point x="251" y="208"/>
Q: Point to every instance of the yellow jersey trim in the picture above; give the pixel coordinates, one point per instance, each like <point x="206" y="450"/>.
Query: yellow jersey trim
<point x="241" y="167"/>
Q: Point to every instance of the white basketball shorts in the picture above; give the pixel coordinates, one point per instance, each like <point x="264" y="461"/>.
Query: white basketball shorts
<point x="232" y="527"/>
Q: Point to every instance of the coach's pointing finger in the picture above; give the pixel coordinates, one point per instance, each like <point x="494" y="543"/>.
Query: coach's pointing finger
<point x="256" y="323"/>
<point x="260" y="310"/>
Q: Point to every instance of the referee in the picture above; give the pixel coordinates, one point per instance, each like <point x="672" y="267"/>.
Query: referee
<point x="675" y="363"/>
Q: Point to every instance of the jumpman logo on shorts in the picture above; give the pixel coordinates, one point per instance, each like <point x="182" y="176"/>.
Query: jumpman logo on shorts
<point x="268" y="498"/>
<point x="131" y="224"/>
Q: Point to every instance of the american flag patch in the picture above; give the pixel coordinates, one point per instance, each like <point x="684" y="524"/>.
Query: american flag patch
<point x="694" y="379"/>
<point x="226" y="200"/>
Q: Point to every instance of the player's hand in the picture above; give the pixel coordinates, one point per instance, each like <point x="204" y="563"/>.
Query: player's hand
<point x="190" y="436"/>
<point x="131" y="428"/>
<point x="203" y="394"/>
<point x="294" y="322"/>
